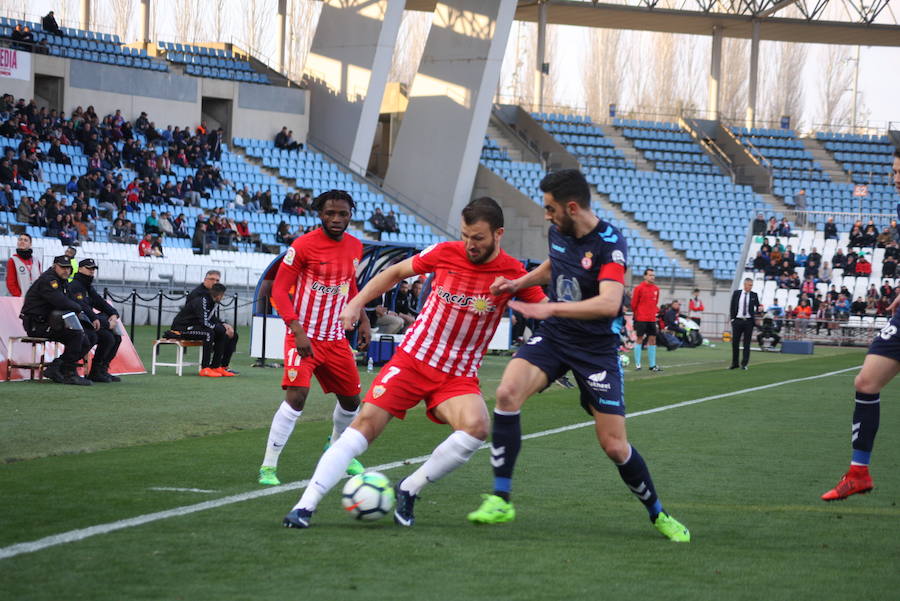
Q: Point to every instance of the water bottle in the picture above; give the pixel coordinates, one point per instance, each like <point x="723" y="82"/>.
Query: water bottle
<point x="370" y="366"/>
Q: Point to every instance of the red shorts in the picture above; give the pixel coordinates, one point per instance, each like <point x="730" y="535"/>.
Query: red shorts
<point x="332" y="363"/>
<point x="404" y="381"/>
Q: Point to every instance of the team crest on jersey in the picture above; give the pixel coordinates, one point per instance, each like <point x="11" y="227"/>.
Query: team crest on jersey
<point x="378" y="391"/>
<point x="292" y="374"/>
<point x="289" y="256"/>
<point x="54" y="284"/>
<point x="587" y="260"/>
<point x="79" y="296"/>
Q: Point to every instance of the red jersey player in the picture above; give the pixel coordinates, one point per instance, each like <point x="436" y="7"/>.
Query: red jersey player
<point x="437" y="361"/>
<point x="645" y="306"/>
<point x="320" y="268"/>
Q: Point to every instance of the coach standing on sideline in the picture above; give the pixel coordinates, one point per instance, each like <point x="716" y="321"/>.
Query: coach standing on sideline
<point x="744" y="306"/>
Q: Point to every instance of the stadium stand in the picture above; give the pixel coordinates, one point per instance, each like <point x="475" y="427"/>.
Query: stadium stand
<point x="866" y="159"/>
<point x="667" y="146"/>
<point x="218" y="63"/>
<point x="85" y="45"/>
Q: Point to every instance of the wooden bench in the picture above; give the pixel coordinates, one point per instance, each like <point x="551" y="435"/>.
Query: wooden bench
<point x="180" y="346"/>
<point x="37" y="362"/>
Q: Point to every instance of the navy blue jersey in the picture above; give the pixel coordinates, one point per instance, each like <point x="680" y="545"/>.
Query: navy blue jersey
<point x="576" y="271"/>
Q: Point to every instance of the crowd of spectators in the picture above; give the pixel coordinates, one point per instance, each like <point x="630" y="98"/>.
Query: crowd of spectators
<point x="384" y="223"/>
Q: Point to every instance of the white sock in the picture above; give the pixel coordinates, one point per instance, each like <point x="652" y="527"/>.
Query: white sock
<point x="341" y="418"/>
<point x="282" y="425"/>
<point x="331" y="467"/>
<point x="445" y="458"/>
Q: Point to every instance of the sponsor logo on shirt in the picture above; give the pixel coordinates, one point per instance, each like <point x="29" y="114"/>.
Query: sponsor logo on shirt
<point x="342" y="289"/>
<point x="567" y="290"/>
<point x="478" y="304"/>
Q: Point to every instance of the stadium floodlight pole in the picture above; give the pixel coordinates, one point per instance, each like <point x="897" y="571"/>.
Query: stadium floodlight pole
<point x="541" y="52"/>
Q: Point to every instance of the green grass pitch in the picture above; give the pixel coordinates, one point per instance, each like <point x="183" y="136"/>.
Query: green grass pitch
<point x="743" y="471"/>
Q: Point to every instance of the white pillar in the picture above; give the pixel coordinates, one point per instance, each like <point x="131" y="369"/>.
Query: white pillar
<point x="280" y="35"/>
<point x="541" y="54"/>
<point x="754" y="76"/>
<point x="715" y="73"/>
<point x="84" y="13"/>
<point x="145" y="11"/>
<point x="436" y="156"/>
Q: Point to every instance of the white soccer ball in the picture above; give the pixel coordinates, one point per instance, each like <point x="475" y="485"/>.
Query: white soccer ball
<point x="623" y="358"/>
<point x="368" y="496"/>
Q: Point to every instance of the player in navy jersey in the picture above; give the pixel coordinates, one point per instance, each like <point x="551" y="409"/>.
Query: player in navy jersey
<point x="881" y="365"/>
<point x="585" y="274"/>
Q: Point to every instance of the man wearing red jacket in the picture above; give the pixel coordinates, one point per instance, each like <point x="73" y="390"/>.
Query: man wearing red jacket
<point x="22" y="269"/>
<point x="645" y="307"/>
<point x="695" y="306"/>
<point x="315" y="281"/>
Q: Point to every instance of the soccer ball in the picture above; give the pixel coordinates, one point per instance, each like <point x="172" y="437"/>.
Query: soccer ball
<point x="368" y="496"/>
<point x="623" y="358"/>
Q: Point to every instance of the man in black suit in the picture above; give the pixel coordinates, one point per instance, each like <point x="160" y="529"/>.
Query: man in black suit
<point x="744" y="306"/>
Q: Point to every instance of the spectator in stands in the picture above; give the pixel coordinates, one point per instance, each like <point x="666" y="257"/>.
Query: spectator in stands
<point x="824" y="317"/>
<point x="144" y="247"/>
<point x="794" y="281"/>
<point x="402" y="296"/>
<point x="199" y="240"/>
<point x="759" y="225"/>
<point x="842" y="307"/>
<point x="56" y="153"/>
<point x="390" y="223"/>
<point x="156" y="247"/>
<point x="68" y="234"/>
<point x="151" y="224"/>
<point x="872" y="295"/>
<point x="214" y="141"/>
<point x="886" y="291"/>
<point x="850" y="264"/>
<point x="784" y="228"/>
<point x="760" y="261"/>
<point x="786" y="268"/>
<point x="839" y="259"/>
<point x="889" y="264"/>
<point x="265" y="202"/>
<point x="884" y="238"/>
<point x="49" y="24"/>
<point x="773" y="270"/>
<point x="789" y="256"/>
<point x="283" y="233"/>
<point x="812" y="268"/>
<point x="387" y="321"/>
<point x="7" y="200"/>
<point x="283" y="140"/>
<point x="800" y="258"/>
<point x="415" y="293"/>
<point x="772" y="227"/>
<point x="165" y="224"/>
<point x="809" y="284"/>
<point x="800" y="200"/>
<point x="831" y="232"/>
<point x="179" y="226"/>
<point x="863" y="267"/>
<point x="856" y="237"/>
<point x="802" y="315"/>
<point x="9" y="175"/>
<point x="858" y="307"/>
<point x="378" y="221"/>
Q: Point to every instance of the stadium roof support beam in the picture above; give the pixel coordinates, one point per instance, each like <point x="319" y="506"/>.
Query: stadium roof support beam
<point x="436" y="155"/>
<point x="280" y="34"/>
<point x="541" y="54"/>
<point x="347" y="72"/>
<point x="715" y="73"/>
<point x="753" y="76"/>
<point x="736" y="17"/>
<point x="84" y="14"/>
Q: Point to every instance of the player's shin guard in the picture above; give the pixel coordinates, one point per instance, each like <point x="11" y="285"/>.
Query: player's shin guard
<point x="341" y="418"/>
<point x="506" y="442"/>
<point x="446" y="457"/>
<point x="865" y="425"/>
<point x="638" y="348"/>
<point x="635" y="474"/>
<point x="282" y="425"/>
<point x="331" y="467"/>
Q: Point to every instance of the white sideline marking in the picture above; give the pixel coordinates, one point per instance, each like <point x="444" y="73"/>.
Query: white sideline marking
<point x="176" y="489"/>
<point x="83" y="533"/>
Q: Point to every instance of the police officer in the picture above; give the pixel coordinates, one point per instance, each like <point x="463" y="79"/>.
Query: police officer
<point x="48" y="313"/>
<point x="102" y="329"/>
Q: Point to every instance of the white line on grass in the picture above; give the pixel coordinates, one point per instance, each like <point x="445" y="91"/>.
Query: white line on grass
<point x="176" y="489"/>
<point x="83" y="533"/>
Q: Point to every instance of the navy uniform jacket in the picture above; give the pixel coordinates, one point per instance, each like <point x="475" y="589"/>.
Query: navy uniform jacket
<point x="82" y="291"/>
<point x="47" y="294"/>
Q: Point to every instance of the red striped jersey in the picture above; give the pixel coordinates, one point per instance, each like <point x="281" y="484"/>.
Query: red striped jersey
<point x="460" y="316"/>
<point x="320" y="273"/>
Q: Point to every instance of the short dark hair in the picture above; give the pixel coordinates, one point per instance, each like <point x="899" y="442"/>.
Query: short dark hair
<point x="567" y="184"/>
<point x="319" y="202"/>
<point x="897" y="154"/>
<point x="217" y="289"/>
<point x="26" y="234"/>
<point x="648" y="270"/>
<point x="483" y="209"/>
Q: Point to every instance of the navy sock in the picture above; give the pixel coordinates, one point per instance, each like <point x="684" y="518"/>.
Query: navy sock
<point x="635" y="474"/>
<point x="865" y="425"/>
<point x="506" y="441"/>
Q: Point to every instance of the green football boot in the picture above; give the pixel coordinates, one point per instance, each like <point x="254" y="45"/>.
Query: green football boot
<point x="493" y="510"/>
<point x="355" y="468"/>
<point x="672" y="529"/>
<point x="267" y="476"/>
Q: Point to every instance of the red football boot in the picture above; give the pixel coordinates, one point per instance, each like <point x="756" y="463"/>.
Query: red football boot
<point x="856" y="481"/>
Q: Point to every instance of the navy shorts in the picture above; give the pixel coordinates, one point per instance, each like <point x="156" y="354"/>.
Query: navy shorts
<point x="597" y="370"/>
<point x="887" y="342"/>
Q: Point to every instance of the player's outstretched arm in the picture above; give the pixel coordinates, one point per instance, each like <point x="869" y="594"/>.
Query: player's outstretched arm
<point x="377" y="286"/>
<point x="604" y="305"/>
<point x="539" y="276"/>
